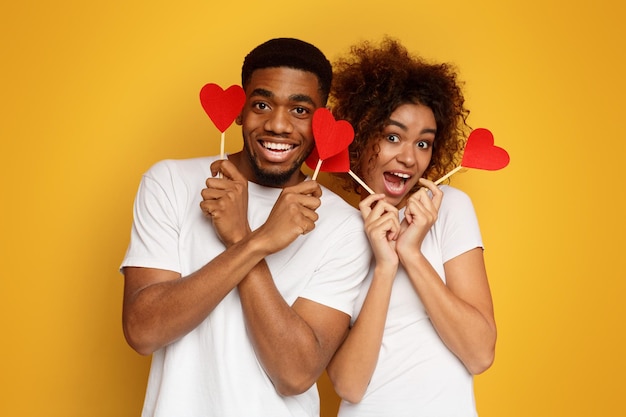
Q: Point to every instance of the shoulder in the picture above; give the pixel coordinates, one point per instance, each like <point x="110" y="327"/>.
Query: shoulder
<point x="334" y="202"/>
<point x="173" y="167"/>
<point x="179" y="173"/>
<point x="338" y="214"/>
<point x="457" y="210"/>
<point x="453" y="198"/>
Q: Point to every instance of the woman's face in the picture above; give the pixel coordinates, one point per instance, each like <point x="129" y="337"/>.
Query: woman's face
<point x="405" y="152"/>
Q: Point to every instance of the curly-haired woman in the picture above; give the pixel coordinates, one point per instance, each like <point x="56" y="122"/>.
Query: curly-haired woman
<point x="424" y="320"/>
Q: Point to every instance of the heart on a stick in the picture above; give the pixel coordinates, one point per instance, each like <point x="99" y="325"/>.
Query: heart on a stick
<point x="481" y="153"/>
<point x="336" y="163"/>
<point x="222" y="106"/>
<point x="331" y="136"/>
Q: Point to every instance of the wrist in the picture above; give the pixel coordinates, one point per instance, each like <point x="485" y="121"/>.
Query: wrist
<point x="415" y="257"/>
<point x="386" y="270"/>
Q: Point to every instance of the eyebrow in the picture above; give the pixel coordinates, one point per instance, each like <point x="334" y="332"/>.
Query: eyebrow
<point x="403" y="127"/>
<point x="299" y="98"/>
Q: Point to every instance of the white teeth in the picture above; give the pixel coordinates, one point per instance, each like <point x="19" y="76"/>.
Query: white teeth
<point x="396" y="187"/>
<point x="273" y="146"/>
<point x="401" y="175"/>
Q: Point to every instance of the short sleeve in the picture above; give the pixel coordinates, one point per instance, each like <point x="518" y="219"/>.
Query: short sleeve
<point x="458" y="223"/>
<point x="344" y="266"/>
<point x="155" y="229"/>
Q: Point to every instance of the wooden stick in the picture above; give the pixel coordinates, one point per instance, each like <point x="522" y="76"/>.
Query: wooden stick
<point x="219" y="174"/>
<point x="360" y="181"/>
<point x="317" y="169"/>
<point x="448" y="175"/>
<point x="222" y="147"/>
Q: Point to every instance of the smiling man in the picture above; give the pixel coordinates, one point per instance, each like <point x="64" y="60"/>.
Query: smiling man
<point x="241" y="284"/>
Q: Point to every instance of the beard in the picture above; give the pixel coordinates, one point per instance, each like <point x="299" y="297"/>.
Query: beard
<point x="271" y="178"/>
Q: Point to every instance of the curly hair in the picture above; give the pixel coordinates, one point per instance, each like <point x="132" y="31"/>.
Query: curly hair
<point x="373" y="80"/>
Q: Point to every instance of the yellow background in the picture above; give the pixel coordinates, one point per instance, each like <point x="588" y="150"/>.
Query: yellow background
<point x="93" y="93"/>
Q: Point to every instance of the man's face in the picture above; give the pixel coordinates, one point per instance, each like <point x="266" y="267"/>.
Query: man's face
<point x="276" y="125"/>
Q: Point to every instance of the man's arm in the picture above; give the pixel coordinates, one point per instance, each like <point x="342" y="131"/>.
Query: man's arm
<point x="161" y="306"/>
<point x="294" y="343"/>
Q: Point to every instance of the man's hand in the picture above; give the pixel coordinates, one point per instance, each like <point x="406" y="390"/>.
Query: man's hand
<point x="293" y="215"/>
<point x="225" y="202"/>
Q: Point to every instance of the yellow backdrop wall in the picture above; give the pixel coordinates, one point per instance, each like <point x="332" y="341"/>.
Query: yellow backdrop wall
<point x="94" y="93"/>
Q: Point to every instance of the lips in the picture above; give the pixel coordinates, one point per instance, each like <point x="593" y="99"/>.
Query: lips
<point x="395" y="182"/>
<point x="276" y="146"/>
<point x="277" y="152"/>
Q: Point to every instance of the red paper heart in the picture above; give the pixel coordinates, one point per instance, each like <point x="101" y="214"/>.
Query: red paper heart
<point x="481" y="153"/>
<point x="222" y="106"/>
<point x="336" y="163"/>
<point x="331" y="137"/>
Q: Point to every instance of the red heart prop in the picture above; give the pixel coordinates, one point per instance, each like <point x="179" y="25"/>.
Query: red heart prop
<point x="481" y="153"/>
<point x="331" y="137"/>
<point x="222" y="106"/>
<point x="336" y="163"/>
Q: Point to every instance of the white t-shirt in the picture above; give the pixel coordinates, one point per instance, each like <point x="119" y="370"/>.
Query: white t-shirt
<point x="416" y="374"/>
<point x="213" y="370"/>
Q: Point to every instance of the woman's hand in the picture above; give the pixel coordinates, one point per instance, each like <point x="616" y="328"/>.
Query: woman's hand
<point x="382" y="227"/>
<point x="422" y="209"/>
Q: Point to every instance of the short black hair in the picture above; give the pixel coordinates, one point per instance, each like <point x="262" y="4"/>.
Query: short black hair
<point x="291" y="53"/>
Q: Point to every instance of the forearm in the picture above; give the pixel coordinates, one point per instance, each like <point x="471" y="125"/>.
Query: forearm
<point x="353" y="364"/>
<point x="160" y="306"/>
<point x="467" y="328"/>
<point x="285" y="344"/>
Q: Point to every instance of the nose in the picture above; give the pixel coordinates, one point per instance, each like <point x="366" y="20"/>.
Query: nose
<point x="279" y="122"/>
<point x="406" y="154"/>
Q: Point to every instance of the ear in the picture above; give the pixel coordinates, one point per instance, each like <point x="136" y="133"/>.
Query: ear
<point x="239" y="119"/>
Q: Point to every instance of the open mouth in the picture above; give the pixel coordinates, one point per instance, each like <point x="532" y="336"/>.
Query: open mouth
<point x="395" y="182"/>
<point x="277" y="152"/>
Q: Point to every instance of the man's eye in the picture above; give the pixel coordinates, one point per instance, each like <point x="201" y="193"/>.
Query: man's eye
<point x="301" y="110"/>
<point x="261" y="106"/>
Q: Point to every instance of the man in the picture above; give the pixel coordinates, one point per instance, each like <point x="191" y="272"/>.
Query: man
<point x="242" y="290"/>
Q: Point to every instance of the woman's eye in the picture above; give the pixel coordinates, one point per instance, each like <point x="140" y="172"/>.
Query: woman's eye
<point x="393" y="138"/>
<point x="422" y="144"/>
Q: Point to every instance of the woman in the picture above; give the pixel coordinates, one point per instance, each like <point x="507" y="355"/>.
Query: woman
<point x="424" y="320"/>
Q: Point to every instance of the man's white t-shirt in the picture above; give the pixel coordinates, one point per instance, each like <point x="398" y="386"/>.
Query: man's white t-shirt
<point x="213" y="370"/>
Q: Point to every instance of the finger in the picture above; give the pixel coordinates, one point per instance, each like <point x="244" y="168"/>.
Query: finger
<point x="383" y="207"/>
<point x="306" y="194"/>
<point x="409" y="208"/>
<point x="304" y="219"/>
<point x="310" y="202"/>
<point x="230" y="171"/>
<point x="207" y="207"/>
<point x="308" y="226"/>
<point x="309" y="187"/>
<point x="422" y="210"/>
<point x="437" y="194"/>
<point x="390" y="223"/>
<point x="414" y="207"/>
<point x="211" y="193"/>
<point x="365" y="206"/>
<point x="216" y="167"/>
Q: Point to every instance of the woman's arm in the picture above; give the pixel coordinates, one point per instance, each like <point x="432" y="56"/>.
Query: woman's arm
<point x="461" y="309"/>
<point x="353" y="364"/>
